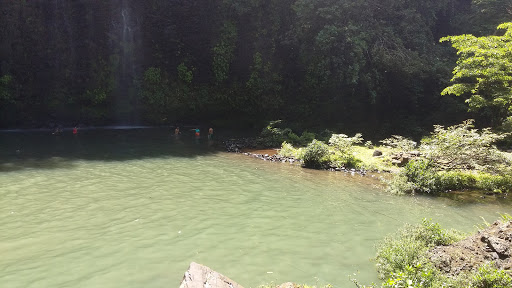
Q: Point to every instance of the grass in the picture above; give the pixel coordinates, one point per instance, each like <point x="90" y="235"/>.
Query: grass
<point x="372" y="163"/>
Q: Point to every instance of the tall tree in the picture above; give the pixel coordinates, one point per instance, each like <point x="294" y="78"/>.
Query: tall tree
<point x="484" y="72"/>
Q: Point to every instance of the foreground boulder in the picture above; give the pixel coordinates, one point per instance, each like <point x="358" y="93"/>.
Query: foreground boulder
<point x="200" y="276"/>
<point x="493" y="244"/>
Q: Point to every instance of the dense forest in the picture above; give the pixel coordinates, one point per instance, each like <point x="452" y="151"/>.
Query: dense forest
<point x="367" y="65"/>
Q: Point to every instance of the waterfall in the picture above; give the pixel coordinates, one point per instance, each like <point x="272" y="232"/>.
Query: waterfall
<point x="124" y="45"/>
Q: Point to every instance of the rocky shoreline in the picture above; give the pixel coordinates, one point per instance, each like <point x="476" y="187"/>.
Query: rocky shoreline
<point x="249" y="147"/>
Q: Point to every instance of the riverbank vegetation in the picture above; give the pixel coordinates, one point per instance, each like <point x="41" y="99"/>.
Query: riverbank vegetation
<point x="411" y="257"/>
<point x="458" y="157"/>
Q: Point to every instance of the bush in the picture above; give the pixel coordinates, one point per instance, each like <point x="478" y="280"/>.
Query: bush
<point x="456" y="180"/>
<point x="421" y="174"/>
<point x="287" y="150"/>
<point x="408" y="248"/>
<point x="342" y="143"/>
<point x="315" y="154"/>
<point x="490" y="277"/>
<point x="494" y="183"/>
<point x="306" y="137"/>
<point x="399" y="143"/>
<point x="461" y="146"/>
<point x="403" y="261"/>
<point x="273" y="135"/>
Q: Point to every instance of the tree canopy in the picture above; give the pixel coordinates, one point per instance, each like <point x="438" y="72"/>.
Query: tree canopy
<point x="484" y="71"/>
<point x="357" y="64"/>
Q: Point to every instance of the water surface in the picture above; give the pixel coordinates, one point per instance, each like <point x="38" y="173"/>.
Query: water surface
<point x="132" y="208"/>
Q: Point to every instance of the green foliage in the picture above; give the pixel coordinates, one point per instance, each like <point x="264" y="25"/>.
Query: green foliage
<point x="287" y="150"/>
<point x="399" y="143"/>
<point x="344" y="160"/>
<point x="343" y="155"/>
<point x="6" y="89"/>
<point x="160" y="100"/>
<point x="456" y="180"/>
<point x="264" y="83"/>
<point x="405" y="252"/>
<point x="490" y="277"/>
<point x="484" y="71"/>
<point x="273" y="135"/>
<point x="422" y="175"/>
<point x="223" y="52"/>
<point x="343" y="143"/>
<point x="315" y="154"/>
<point x="461" y="146"/>
<point x="494" y="183"/>
<point x="185" y="74"/>
<point x="306" y="137"/>
<point x="412" y="277"/>
<point x="403" y="261"/>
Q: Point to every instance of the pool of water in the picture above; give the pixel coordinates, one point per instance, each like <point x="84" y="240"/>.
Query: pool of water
<point x="132" y="208"/>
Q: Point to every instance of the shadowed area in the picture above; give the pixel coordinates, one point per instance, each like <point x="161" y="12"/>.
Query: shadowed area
<point x="43" y="150"/>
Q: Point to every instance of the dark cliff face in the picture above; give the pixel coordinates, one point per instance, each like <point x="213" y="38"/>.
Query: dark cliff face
<point x="159" y="61"/>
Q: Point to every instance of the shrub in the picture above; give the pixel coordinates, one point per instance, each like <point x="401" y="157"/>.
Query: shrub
<point x="315" y="154"/>
<point x="342" y="143"/>
<point x="456" y="180"/>
<point x="407" y="248"/>
<point x="402" y="261"/>
<point x="306" y="137"/>
<point x="490" y="277"/>
<point x="292" y="138"/>
<point x="399" y="185"/>
<point x="461" y="146"/>
<point x="273" y="136"/>
<point x="325" y="135"/>
<point x="287" y="150"/>
<point x="399" y="143"/>
<point x="418" y="276"/>
<point x="494" y="183"/>
<point x="422" y="175"/>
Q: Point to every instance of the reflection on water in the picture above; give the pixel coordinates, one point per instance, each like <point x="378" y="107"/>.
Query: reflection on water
<point x="133" y="208"/>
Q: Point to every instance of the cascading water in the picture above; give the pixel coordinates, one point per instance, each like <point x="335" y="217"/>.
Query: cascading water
<point x="125" y="27"/>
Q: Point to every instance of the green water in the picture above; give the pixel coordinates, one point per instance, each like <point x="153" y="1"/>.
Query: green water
<point x="132" y="208"/>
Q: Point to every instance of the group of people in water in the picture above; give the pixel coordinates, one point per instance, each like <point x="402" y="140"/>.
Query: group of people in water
<point x="197" y="132"/>
<point x="59" y="131"/>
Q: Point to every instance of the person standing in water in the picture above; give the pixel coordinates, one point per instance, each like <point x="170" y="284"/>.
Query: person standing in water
<point x="75" y="130"/>
<point x="197" y="132"/>
<point x="210" y="134"/>
<point x="177" y="131"/>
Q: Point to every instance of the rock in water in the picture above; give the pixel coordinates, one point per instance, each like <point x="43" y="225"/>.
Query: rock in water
<point x="200" y="276"/>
